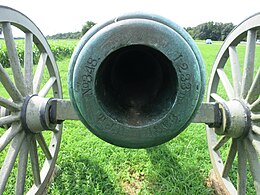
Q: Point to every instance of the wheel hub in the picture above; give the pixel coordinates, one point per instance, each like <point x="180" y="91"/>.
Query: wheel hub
<point x="35" y="114"/>
<point x="236" y="119"/>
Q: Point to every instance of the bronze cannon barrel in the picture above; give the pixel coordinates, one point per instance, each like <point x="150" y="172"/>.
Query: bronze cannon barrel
<point x="137" y="80"/>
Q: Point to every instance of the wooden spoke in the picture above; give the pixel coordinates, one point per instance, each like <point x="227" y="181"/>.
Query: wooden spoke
<point x="255" y="116"/>
<point x="226" y="83"/>
<point x="9" y="86"/>
<point x="221" y="142"/>
<point x="22" y="167"/>
<point x="28" y="61"/>
<point x="254" y="91"/>
<point x="241" y="173"/>
<point x="255" y="105"/>
<point x="254" y="164"/>
<point x="10" y="159"/>
<point x="9" y="135"/>
<point x="256" y="129"/>
<point x="46" y="88"/>
<point x="235" y="67"/>
<point x="9" y="105"/>
<point x="35" y="161"/>
<point x="255" y="140"/>
<point x="230" y="159"/>
<point x="249" y="62"/>
<point x="13" y="57"/>
<point x="39" y="72"/>
<point x="56" y="130"/>
<point x="40" y="139"/>
<point x="217" y="97"/>
<point x="8" y="120"/>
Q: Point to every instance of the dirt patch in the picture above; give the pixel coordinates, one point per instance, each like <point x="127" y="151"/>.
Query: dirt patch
<point x="134" y="184"/>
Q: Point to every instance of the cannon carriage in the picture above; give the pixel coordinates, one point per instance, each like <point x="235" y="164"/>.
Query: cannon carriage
<point x="135" y="81"/>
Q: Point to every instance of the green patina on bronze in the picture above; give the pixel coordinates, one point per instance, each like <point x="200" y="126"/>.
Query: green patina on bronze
<point x="136" y="81"/>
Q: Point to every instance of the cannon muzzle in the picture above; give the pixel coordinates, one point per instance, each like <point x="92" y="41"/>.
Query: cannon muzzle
<point x="136" y="81"/>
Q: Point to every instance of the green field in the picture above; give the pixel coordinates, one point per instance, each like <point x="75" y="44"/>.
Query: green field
<point x="88" y="165"/>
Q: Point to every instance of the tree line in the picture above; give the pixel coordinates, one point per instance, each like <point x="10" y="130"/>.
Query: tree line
<point x="73" y="35"/>
<point x="210" y="30"/>
<point x="216" y="31"/>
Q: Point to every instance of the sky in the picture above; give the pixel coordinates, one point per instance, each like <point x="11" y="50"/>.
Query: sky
<point x="60" y="16"/>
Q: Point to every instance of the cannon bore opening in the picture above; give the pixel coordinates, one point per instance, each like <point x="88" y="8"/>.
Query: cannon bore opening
<point x="136" y="85"/>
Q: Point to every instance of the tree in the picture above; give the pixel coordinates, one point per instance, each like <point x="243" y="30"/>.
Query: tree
<point x="226" y="30"/>
<point x="88" y="25"/>
<point x="69" y="35"/>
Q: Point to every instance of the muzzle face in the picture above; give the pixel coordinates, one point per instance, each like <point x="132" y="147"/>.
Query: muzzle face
<point x="136" y="81"/>
<point x="136" y="85"/>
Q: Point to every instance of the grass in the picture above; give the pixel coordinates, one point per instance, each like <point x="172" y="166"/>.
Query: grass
<point x="60" y="48"/>
<point x="88" y="165"/>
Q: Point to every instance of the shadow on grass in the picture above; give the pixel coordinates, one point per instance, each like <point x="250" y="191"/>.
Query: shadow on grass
<point x="170" y="175"/>
<point x="83" y="176"/>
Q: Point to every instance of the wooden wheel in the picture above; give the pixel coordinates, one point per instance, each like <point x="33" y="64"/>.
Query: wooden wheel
<point x="26" y="152"/>
<point x="235" y="83"/>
